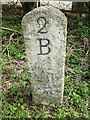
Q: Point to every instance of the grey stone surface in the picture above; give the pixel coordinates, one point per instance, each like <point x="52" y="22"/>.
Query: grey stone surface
<point x="11" y="2"/>
<point x="44" y="31"/>
<point x="65" y="5"/>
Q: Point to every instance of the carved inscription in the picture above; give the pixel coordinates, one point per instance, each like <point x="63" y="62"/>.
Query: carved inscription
<point x="42" y="41"/>
<point x="43" y="20"/>
<point x="42" y="46"/>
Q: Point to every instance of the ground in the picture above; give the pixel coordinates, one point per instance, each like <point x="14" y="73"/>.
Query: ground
<point x="16" y="99"/>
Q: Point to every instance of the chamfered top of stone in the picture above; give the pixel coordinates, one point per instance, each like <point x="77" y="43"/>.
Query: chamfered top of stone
<point x="46" y="9"/>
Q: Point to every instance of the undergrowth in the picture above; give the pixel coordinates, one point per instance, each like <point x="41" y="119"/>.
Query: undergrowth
<point x="15" y="97"/>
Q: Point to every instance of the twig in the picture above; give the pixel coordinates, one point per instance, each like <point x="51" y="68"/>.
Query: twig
<point x="10" y="39"/>
<point x="87" y="53"/>
<point x="8" y="29"/>
<point x="69" y="51"/>
<point x="7" y="47"/>
<point x="68" y="95"/>
<point x="86" y="59"/>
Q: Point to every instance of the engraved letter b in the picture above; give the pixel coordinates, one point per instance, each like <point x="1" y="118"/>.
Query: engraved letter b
<point x="42" y="46"/>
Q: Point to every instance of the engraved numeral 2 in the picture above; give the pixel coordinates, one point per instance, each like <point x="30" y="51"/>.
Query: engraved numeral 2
<point x="44" y="25"/>
<point x="43" y="42"/>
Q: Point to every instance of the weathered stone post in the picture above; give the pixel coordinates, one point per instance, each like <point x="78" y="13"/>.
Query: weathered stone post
<point x="44" y="31"/>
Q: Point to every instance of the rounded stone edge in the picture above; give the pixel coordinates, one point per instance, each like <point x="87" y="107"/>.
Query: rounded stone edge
<point x="37" y="10"/>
